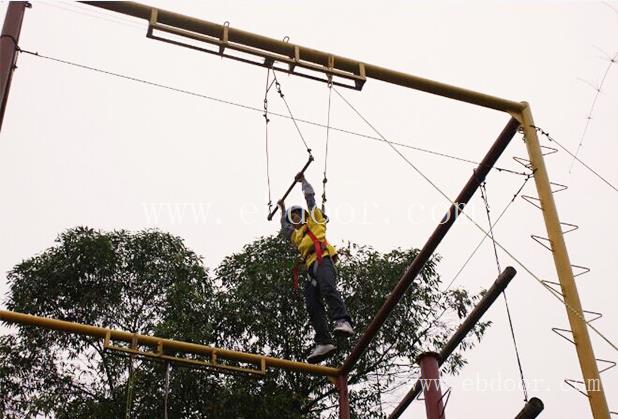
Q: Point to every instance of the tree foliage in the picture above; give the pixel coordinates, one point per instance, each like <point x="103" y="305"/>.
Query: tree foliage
<point x="150" y="283"/>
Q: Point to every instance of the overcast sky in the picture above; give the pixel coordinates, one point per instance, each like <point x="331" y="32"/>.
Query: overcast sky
<point x="83" y="148"/>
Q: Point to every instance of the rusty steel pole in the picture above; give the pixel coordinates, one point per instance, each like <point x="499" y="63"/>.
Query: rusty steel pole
<point x="432" y="243"/>
<point x="8" y="49"/>
<point x="531" y="410"/>
<point x="430" y="374"/>
<point x="344" y="397"/>
<point x="499" y="285"/>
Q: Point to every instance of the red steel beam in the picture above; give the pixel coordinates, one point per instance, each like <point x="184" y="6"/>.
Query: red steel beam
<point x="430" y="374"/>
<point x="531" y="410"/>
<point x="9" y="48"/>
<point x="344" y="397"/>
<point x="428" y="249"/>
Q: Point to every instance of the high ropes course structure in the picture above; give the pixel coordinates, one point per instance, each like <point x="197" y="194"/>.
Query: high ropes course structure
<point x="285" y="57"/>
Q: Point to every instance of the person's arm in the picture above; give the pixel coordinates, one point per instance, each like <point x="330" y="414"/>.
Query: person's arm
<point x="286" y="226"/>
<point x="307" y="191"/>
<point x="314" y="211"/>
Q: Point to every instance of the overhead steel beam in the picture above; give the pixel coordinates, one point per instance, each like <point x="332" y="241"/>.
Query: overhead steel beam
<point x="327" y="61"/>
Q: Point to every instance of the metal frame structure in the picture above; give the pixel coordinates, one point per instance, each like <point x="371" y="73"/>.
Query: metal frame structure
<point x="268" y="52"/>
<point x="162" y="347"/>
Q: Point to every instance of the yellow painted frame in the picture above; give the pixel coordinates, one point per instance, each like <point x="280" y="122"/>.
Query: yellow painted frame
<point x="273" y="50"/>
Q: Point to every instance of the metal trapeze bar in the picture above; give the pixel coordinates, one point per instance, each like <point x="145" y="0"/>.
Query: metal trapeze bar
<point x="285" y="195"/>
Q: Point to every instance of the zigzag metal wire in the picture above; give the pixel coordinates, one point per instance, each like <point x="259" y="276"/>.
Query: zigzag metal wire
<point x="609" y="364"/>
<point x="541" y="240"/>
<point x="566" y="334"/>
<point x="553" y="285"/>
<point x="446" y="396"/>
<point x="526" y="162"/>
<point x="584" y="270"/>
<point x="531" y="199"/>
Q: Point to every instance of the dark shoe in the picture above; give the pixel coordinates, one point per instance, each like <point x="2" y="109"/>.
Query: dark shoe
<point x="320" y="353"/>
<point x="343" y="328"/>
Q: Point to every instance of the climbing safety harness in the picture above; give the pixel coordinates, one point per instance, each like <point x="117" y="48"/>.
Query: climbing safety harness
<point x="319" y="248"/>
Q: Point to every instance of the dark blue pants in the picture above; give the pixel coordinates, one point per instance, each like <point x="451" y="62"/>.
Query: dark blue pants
<point x="321" y="285"/>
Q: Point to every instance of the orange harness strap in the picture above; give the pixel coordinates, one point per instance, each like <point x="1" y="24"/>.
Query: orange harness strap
<point x="318" y="248"/>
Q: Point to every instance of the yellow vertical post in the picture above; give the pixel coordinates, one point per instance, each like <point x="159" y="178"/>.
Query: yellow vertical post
<point x="585" y="353"/>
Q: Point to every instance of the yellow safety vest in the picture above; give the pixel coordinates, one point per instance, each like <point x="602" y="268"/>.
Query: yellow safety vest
<point x="316" y="223"/>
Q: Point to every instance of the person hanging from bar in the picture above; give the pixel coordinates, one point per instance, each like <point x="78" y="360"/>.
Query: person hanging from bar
<point x="306" y="230"/>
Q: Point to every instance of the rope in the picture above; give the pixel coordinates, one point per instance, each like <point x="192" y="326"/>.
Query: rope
<point x="167" y="387"/>
<point x="269" y="84"/>
<point x="483" y="188"/>
<point x="278" y="86"/>
<point x="325" y="179"/>
<point x="89" y="13"/>
<point x="553" y="292"/>
<point x="130" y="383"/>
<point x="506" y="301"/>
<point x="610" y="6"/>
<point x="549" y="137"/>
<point x="478" y="246"/>
<point x="254" y="109"/>
<point x="521" y="370"/>
<point x="612" y="61"/>
<point x="379" y="392"/>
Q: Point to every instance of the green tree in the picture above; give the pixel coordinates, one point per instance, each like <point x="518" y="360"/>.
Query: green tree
<point x="147" y="283"/>
<point x="150" y="283"/>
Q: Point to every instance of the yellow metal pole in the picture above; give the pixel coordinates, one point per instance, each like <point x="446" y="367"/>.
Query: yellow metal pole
<point x="303" y="54"/>
<point x="585" y="353"/>
<point x="102" y="332"/>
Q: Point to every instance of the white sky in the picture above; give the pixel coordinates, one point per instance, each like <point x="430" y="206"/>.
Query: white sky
<point x="81" y="148"/>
